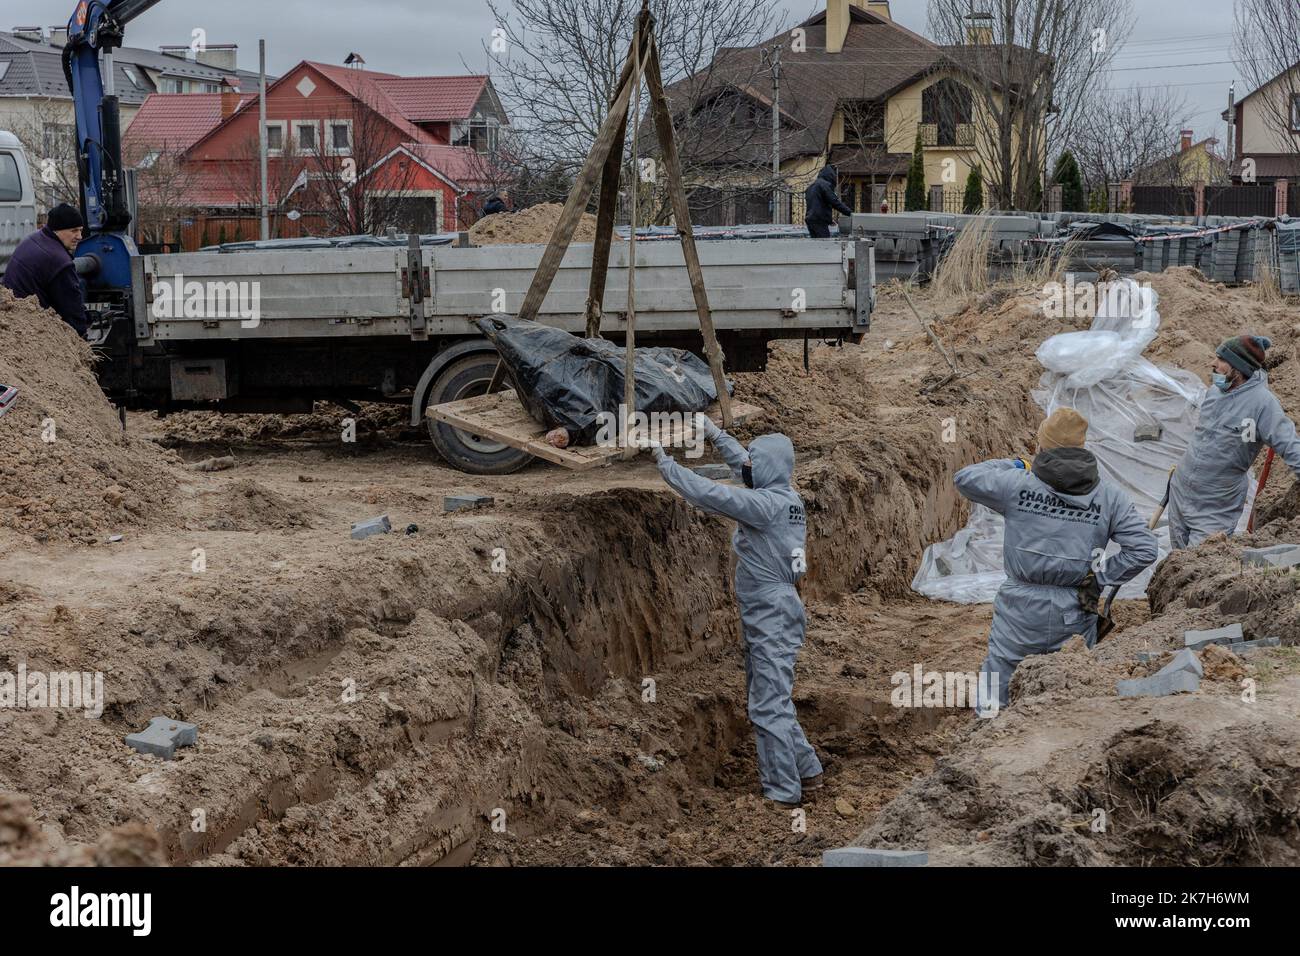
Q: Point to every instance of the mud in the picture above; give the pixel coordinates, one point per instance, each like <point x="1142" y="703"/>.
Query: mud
<point x="558" y="678"/>
<point x="532" y="225"/>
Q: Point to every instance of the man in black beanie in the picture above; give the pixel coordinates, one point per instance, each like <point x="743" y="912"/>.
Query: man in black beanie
<point x="1238" y="417"/>
<point x="43" y="266"/>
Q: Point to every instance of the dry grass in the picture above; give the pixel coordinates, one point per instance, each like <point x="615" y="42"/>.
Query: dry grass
<point x="964" y="271"/>
<point x="1267" y="287"/>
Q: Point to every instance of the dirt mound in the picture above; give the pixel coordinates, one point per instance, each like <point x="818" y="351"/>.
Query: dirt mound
<point x="325" y="423"/>
<point x="247" y="505"/>
<point x="534" y="224"/>
<point x="66" y="469"/>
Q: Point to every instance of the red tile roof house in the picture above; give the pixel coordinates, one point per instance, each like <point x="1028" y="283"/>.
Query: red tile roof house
<point x="351" y="150"/>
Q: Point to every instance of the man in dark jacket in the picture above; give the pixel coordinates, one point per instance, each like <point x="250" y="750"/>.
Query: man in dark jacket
<point x="819" y="200"/>
<point x="495" y="204"/>
<point x="43" y="266"/>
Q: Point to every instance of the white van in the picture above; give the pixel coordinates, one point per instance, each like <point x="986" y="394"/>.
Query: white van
<point x="17" y="197"/>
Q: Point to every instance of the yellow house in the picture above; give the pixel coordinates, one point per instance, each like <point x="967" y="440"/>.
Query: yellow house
<point x="854" y="89"/>
<point x="1191" y="163"/>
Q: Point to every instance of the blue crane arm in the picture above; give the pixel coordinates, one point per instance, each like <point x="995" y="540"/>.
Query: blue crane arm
<point x="97" y="26"/>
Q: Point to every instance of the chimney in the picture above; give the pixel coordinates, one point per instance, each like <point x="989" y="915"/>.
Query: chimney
<point x="229" y="103"/>
<point x="219" y="56"/>
<point x="59" y="35"/>
<point x="979" y="29"/>
<point x="34" y="34"/>
<point x="878" y="7"/>
<point x="1186" y="140"/>
<point x="837" y="25"/>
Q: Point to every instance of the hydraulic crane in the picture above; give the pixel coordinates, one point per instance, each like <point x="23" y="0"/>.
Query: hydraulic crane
<point x="105" y="253"/>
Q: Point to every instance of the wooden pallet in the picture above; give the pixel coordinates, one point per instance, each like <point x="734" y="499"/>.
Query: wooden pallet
<point x="501" y="417"/>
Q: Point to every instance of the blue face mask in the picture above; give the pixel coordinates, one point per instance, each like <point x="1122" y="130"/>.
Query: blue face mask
<point x="1220" y="381"/>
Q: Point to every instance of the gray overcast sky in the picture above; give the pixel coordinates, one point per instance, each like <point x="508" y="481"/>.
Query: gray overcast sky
<point x="445" y="36"/>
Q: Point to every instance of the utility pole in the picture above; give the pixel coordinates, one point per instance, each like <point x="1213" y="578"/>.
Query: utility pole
<point x="1232" y="126"/>
<point x="777" y="212"/>
<point x="261" y="132"/>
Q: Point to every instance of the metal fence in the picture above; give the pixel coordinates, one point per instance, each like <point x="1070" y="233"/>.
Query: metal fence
<point x="1164" y="200"/>
<point x="1244" y="200"/>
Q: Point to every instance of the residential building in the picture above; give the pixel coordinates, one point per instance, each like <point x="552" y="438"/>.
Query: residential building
<point x="1266" y="131"/>
<point x="36" y="104"/>
<point x="349" y="150"/>
<point x="855" y="94"/>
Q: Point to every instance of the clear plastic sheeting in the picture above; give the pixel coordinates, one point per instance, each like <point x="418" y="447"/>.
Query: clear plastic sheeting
<point x="1102" y="375"/>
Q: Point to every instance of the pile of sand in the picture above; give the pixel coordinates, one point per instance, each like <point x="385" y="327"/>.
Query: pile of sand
<point x="534" y="224"/>
<point x="67" y="471"/>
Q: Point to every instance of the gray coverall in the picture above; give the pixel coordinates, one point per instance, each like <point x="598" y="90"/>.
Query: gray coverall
<point x="1053" y="532"/>
<point x="1210" y="484"/>
<point x="769" y="546"/>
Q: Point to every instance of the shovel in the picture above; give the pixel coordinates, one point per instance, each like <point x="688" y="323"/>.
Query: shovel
<point x="1106" y="623"/>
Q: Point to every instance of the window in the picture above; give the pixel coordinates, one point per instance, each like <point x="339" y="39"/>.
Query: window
<point x="339" y="137"/>
<point x="947" y="107"/>
<point x="148" y="159"/>
<point x="4" y="68"/>
<point x="864" y="122"/>
<point x="275" y="138"/>
<point x="1295" y="114"/>
<point x="59" y="140"/>
<point x="479" y="133"/>
<point x="130" y="75"/>
<point x="304" y="135"/>
<point x="11" y="186"/>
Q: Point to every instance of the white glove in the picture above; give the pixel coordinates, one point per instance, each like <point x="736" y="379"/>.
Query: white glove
<point x="711" y="429"/>
<point x="658" y="449"/>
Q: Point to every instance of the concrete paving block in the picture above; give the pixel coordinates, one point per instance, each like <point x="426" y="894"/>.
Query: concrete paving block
<point x="1245" y="647"/>
<point x="459" y="502"/>
<point x="1183" y="673"/>
<point x="163" y="736"/>
<point x="364" y="529"/>
<point x="1158" y="685"/>
<point x="716" y="472"/>
<point x="866" y="856"/>
<point x="1232" y="634"/>
<point x="1276" y="556"/>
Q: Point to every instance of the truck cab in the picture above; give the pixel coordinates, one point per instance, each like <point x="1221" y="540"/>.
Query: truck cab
<point x="17" y="197"/>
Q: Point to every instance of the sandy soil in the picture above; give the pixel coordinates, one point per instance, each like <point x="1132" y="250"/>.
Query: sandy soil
<point x="478" y="691"/>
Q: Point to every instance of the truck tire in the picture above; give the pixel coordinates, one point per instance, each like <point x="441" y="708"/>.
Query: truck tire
<point x="475" y="454"/>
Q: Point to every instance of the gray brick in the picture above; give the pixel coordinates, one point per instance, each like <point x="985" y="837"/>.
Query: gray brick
<point x="458" y="502"/>
<point x="1183" y="673"/>
<point x="1276" y="556"/>
<point x="163" y="736"/>
<point x="364" y="529"/>
<point x="1245" y="647"/>
<point x="1232" y="634"/>
<point x="716" y="472"/>
<point x="865" y="856"/>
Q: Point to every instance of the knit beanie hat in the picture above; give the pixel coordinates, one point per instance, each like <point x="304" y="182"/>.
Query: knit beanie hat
<point x="1245" y="353"/>
<point x="64" y="216"/>
<point x="1064" y="428"/>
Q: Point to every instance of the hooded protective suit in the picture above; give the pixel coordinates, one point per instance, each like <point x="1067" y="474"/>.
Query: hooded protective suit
<point x="820" y="200"/>
<point x="1210" y="486"/>
<point x="1059" y="518"/>
<point x="769" y="546"/>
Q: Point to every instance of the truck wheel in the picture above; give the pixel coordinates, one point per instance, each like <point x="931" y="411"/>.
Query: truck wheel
<point x="476" y="454"/>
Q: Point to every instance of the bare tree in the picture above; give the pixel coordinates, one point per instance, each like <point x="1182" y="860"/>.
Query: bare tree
<point x="557" y="64"/>
<point x="47" y="129"/>
<point x="1033" y="67"/>
<point x="1130" y="134"/>
<point x="241" y="174"/>
<point x="162" y="183"/>
<point x="1267" y="50"/>
<point x="356" y="179"/>
<point x="870" y="140"/>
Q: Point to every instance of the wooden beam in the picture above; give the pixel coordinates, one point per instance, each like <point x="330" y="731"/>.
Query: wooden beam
<point x="562" y="235"/>
<point x="682" y="214"/>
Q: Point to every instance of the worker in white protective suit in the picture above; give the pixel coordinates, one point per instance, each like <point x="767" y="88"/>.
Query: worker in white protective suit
<point x="769" y="546"/>
<point x="1238" y="418"/>
<point x="1060" y="516"/>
